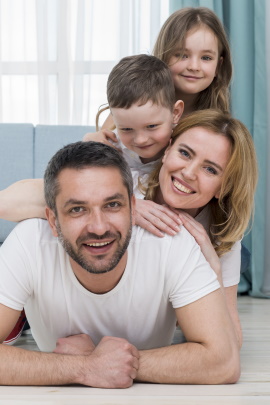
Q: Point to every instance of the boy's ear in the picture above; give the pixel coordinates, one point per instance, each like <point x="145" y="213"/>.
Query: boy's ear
<point x="178" y="111"/>
<point x="50" y="215"/>
<point x="219" y="65"/>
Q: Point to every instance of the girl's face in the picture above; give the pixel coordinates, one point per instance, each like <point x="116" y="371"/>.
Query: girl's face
<point x="195" y="70"/>
<point x="193" y="169"/>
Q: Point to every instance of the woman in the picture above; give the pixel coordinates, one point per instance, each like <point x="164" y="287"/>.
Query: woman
<point x="209" y="173"/>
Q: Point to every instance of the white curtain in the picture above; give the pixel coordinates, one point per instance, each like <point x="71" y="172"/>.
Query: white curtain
<point x="56" y="54"/>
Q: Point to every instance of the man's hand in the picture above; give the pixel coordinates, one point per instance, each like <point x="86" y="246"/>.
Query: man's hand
<point x="77" y="345"/>
<point x="104" y="136"/>
<point x="156" y="218"/>
<point x="113" y="364"/>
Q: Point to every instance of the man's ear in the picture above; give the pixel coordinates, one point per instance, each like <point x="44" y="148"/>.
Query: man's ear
<point x="51" y="218"/>
<point x="133" y="208"/>
<point x="219" y="65"/>
<point x="178" y="111"/>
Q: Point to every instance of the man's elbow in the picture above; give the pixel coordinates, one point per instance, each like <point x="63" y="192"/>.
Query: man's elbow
<point x="228" y="368"/>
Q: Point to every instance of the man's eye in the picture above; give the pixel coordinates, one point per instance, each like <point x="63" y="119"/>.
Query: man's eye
<point x="114" y="204"/>
<point x="76" y="210"/>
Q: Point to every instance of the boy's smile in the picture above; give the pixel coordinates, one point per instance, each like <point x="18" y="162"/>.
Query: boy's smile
<point x="146" y="129"/>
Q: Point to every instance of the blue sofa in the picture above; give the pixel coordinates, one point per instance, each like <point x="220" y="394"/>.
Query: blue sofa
<point x="26" y="150"/>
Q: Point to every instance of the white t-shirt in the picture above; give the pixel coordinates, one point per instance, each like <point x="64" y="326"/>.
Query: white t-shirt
<point x="161" y="274"/>
<point x="138" y="169"/>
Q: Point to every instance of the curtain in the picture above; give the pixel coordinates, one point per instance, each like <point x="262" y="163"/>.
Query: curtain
<point x="55" y="55"/>
<point x="247" y="26"/>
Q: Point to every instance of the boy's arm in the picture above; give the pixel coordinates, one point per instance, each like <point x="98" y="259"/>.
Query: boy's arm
<point x="113" y="363"/>
<point x="157" y="219"/>
<point x="22" y="200"/>
<point x="211" y="354"/>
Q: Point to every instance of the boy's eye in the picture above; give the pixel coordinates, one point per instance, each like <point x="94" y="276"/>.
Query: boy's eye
<point x="125" y="129"/>
<point x="151" y="126"/>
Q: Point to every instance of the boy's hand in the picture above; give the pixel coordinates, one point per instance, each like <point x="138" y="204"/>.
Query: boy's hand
<point x="157" y="219"/>
<point x="104" y="136"/>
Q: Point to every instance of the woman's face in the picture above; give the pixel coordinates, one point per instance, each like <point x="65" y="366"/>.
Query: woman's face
<point x="193" y="169"/>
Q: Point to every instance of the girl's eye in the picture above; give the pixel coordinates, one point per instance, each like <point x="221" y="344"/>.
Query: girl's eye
<point x="206" y="58"/>
<point x="184" y="153"/>
<point x="211" y="170"/>
<point x="184" y="56"/>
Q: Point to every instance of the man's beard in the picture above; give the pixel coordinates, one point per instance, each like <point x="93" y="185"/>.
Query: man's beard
<point x="91" y="267"/>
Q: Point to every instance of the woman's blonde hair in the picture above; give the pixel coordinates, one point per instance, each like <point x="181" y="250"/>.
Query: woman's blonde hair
<point x="231" y="212"/>
<point x="172" y="36"/>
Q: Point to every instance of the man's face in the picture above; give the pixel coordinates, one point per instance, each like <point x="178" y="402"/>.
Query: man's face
<point x="93" y="220"/>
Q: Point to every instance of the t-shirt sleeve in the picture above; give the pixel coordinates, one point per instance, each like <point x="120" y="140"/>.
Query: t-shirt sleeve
<point x="190" y="275"/>
<point x="230" y="265"/>
<point x="15" y="269"/>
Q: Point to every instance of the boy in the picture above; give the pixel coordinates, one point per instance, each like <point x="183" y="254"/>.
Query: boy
<point x="141" y="98"/>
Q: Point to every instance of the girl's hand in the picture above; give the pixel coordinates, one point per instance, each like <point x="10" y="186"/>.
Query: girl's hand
<point x="156" y="218"/>
<point x="203" y="240"/>
<point x="104" y="136"/>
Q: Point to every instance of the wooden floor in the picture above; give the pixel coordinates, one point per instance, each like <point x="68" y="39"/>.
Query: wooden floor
<point x="253" y="387"/>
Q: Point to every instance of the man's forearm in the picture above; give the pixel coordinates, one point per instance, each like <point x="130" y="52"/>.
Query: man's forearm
<point x="23" y="367"/>
<point x="188" y="363"/>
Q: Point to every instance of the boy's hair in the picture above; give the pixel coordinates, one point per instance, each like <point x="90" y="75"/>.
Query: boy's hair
<point x="172" y="36"/>
<point x="140" y="78"/>
<point x="231" y="212"/>
<point x="81" y="155"/>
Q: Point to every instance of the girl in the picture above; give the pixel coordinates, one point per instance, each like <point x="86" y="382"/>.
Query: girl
<point x="193" y="43"/>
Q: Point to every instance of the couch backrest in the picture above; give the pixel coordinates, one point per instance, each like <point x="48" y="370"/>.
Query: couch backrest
<point x="26" y="150"/>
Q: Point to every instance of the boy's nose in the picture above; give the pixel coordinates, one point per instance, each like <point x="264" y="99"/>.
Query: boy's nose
<point x="140" y="139"/>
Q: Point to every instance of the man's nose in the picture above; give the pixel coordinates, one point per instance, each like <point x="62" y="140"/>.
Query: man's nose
<point x="98" y="223"/>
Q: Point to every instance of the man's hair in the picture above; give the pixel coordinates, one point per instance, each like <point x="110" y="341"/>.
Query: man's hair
<point x="81" y="155"/>
<point x="140" y="78"/>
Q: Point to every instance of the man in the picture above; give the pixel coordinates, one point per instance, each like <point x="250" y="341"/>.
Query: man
<point x="112" y="298"/>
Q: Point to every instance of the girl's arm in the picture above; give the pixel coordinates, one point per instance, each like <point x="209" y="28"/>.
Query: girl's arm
<point x="22" y="200"/>
<point x="230" y="293"/>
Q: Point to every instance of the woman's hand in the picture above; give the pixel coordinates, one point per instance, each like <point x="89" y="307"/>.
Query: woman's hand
<point x="156" y="218"/>
<point x="203" y="240"/>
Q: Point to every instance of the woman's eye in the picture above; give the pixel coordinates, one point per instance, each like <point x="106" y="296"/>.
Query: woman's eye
<point x="211" y="170"/>
<point x="184" y="153"/>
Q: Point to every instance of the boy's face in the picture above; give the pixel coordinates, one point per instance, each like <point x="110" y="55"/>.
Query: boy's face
<point x="146" y="129"/>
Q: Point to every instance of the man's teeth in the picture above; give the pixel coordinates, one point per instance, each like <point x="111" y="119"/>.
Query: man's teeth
<point x="98" y="244"/>
<point x="182" y="188"/>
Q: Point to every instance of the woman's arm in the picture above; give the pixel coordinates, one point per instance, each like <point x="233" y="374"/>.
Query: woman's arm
<point x="230" y="293"/>
<point x="22" y="200"/>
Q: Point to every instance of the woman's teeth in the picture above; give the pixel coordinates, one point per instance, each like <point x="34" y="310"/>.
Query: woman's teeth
<point x="182" y="188"/>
